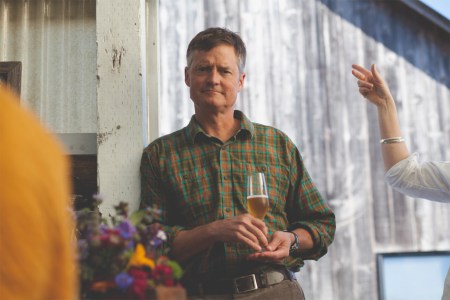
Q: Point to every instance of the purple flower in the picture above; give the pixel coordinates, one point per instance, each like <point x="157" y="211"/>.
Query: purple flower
<point x="130" y="245"/>
<point x="155" y="242"/>
<point x="103" y="229"/>
<point x="123" y="280"/>
<point x="126" y="229"/>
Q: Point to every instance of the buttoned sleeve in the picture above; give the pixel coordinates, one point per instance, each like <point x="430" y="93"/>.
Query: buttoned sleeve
<point x="308" y="210"/>
<point x="155" y="194"/>
<point x="429" y="180"/>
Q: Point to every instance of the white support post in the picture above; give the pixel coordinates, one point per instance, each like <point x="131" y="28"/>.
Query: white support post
<point x="152" y="56"/>
<point x="121" y="100"/>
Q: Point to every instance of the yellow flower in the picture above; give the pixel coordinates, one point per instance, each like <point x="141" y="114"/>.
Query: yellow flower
<point x="139" y="259"/>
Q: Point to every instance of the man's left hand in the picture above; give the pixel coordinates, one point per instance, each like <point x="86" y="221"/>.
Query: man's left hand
<point x="276" y="250"/>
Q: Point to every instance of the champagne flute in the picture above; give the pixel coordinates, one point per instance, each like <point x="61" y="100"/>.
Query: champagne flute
<point x="257" y="197"/>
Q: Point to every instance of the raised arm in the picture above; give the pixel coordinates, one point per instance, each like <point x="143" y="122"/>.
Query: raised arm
<point x="375" y="89"/>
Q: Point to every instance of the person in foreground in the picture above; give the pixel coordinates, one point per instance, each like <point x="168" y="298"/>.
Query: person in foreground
<point x="37" y="248"/>
<point x="197" y="177"/>
<point x="428" y="180"/>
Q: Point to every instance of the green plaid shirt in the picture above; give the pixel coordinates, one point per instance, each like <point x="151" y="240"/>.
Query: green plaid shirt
<point x="196" y="179"/>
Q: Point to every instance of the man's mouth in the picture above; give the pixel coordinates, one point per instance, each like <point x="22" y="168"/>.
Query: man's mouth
<point x="211" y="92"/>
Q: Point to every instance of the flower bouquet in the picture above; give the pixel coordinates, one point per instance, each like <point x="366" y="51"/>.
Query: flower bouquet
<point x="118" y="257"/>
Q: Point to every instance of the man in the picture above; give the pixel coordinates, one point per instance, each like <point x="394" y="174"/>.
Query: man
<point x="37" y="253"/>
<point x="197" y="176"/>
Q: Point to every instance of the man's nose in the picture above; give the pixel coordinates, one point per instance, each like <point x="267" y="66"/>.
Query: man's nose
<point x="213" y="76"/>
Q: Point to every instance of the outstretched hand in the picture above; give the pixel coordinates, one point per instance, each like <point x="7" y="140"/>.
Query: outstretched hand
<point x="371" y="85"/>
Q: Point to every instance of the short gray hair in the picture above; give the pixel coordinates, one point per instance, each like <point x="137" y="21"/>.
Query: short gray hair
<point x="215" y="36"/>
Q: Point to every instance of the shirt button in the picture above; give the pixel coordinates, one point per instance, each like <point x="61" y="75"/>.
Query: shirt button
<point x="226" y="177"/>
<point x="228" y="209"/>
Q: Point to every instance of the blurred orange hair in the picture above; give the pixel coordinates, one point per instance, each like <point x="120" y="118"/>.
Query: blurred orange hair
<point x="37" y="246"/>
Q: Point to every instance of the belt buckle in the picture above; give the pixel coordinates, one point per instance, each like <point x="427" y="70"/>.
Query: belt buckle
<point x="240" y="281"/>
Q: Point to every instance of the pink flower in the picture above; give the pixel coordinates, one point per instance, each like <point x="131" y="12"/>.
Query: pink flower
<point x="139" y="286"/>
<point x="163" y="274"/>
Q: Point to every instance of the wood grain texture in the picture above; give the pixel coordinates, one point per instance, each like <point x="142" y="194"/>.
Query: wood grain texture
<point x="299" y="80"/>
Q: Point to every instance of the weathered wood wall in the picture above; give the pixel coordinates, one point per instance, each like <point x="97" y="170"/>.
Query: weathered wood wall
<point x="299" y="80"/>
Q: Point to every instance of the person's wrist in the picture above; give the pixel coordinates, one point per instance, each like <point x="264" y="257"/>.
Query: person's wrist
<point x="291" y="237"/>
<point x="212" y="231"/>
<point x="386" y="109"/>
<point x="294" y="246"/>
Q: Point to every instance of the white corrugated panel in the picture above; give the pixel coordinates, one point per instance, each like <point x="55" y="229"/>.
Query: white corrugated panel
<point x="56" y="43"/>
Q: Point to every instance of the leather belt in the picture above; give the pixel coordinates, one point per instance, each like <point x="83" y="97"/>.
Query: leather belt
<point x="241" y="284"/>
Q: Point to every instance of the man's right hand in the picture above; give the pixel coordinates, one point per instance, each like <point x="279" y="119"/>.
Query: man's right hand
<point x="244" y="229"/>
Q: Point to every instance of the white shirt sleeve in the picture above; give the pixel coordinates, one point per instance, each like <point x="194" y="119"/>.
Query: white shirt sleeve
<point x="429" y="180"/>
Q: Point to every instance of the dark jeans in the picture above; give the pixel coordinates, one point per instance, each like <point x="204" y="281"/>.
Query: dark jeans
<point x="285" y="290"/>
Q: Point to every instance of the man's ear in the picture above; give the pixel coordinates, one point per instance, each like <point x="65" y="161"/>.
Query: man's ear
<point x="241" y="81"/>
<point x="187" y="79"/>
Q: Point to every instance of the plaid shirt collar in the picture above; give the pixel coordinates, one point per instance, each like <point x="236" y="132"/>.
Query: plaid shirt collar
<point x="196" y="132"/>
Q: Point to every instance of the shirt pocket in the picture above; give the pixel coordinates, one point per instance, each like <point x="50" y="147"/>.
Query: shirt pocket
<point x="192" y="195"/>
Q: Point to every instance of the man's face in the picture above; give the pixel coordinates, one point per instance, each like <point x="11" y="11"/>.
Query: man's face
<point x="214" y="78"/>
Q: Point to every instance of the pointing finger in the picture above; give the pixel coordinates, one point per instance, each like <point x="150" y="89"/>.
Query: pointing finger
<point x="362" y="70"/>
<point x="376" y="74"/>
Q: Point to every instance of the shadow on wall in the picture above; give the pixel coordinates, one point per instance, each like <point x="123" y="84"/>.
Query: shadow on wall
<point x="404" y="30"/>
